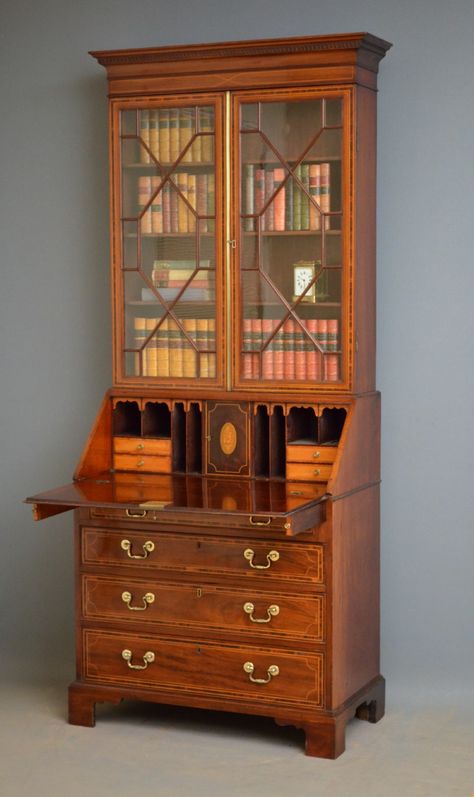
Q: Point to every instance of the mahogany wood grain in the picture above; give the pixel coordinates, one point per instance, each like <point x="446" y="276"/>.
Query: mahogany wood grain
<point x="314" y="454"/>
<point x="203" y="668"/>
<point x="204" y="606"/>
<point x="201" y="555"/>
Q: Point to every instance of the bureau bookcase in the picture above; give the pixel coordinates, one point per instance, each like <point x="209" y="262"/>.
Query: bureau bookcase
<point x="227" y="500"/>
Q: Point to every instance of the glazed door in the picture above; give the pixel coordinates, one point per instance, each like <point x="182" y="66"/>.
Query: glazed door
<point x="291" y="268"/>
<point x="167" y="249"/>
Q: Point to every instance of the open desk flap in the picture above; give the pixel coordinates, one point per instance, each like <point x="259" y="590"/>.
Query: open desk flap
<point x="194" y="500"/>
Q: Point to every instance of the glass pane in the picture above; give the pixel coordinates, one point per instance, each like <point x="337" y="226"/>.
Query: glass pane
<point x="168" y="242"/>
<point x="291" y="248"/>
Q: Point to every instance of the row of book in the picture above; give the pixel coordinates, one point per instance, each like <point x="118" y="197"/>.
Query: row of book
<point x="169" y="352"/>
<point x="291" y="208"/>
<point x="169" y="277"/>
<point x="167" y="132"/>
<point x="168" y="212"/>
<point x="291" y="354"/>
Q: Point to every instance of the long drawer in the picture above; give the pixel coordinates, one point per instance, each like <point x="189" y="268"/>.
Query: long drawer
<point x="206" y="606"/>
<point x="183" y="553"/>
<point x="203" y="668"/>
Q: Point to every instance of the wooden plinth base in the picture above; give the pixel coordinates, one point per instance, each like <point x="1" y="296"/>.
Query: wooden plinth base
<point x="325" y="732"/>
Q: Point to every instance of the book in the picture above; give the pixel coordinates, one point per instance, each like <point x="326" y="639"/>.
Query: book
<point x="211" y="340"/>
<point x="201" y="200"/>
<point x="144" y="194"/>
<point x="279" y="201"/>
<point x="164" y="136"/>
<point x="305" y="197"/>
<point x="300" y="352"/>
<point x="211" y="211"/>
<point x="249" y="194"/>
<point x="154" y="123"/>
<point x="246" y="348"/>
<point x="139" y="329"/>
<point x="259" y="194"/>
<point x="182" y="181"/>
<point x="166" y="207"/>
<point x="314" y="189"/>
<point x="202" y="328"/>
<point x="256" y="345"/>
<point x="325" y="199"/>
<point x="145" y="136"/>
<point x="289" y="188"/>
<point x="189" y="353"/>
<point x="269" y="189"/>
<point x="289" y="349"/>
<point x="192" y="201"/>
<point x="297" y="201"/>
<point x="150" y="350"/>
<point x="185" y="133"/>
<point x="175" y="346"/>
<point x="156" y="207"/>
<point x="207" y="143"/>
<point x="174" y="134"/>
<point x="163" y="353"/>
<point x="267" y="354"/>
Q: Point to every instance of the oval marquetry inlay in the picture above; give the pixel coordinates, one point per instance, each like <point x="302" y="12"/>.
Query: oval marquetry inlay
<point x="228" y="438"/>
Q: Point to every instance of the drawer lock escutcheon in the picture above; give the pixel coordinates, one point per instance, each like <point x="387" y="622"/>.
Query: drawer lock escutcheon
<point x="272" y="611"/>
<point x="147" y="599"/>
<point x="148" y="658"/>
<point x="272" y="556"/>
<point x="148" y="547"/>
<point x="272" y="672"/>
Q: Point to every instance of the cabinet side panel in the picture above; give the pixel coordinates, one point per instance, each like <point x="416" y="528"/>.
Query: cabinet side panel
<point x="358" y="458"/>
<point x="97" y="455"/>
<point x="364" y="214"/>
<point x="355" y="593"/>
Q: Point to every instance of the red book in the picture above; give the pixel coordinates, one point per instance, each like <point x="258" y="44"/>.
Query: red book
<point x="267" y="356"/>
<point x="300" y="353"/>
<point x="313" y="359"/>
<point x="279" y="201"/>
<point x="246" y="344"/>
<point x="289" y="348"/>
<point x="278" y="355"/>
<point x="269" y="189"/>
<point x="331" y="367"/>
<point x="325" y="198"/>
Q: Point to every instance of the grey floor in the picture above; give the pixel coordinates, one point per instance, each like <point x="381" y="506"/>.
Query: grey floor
<point x="137" y="749"/>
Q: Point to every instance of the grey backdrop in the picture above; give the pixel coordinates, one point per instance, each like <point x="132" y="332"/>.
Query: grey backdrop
<point x="55" y="318"/>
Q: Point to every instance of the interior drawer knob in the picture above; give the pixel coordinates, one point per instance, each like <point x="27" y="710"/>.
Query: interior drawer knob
<point x="148" y="547"/>
<point x="272" y="556"/>
<point x="147" y="599"/>
<point x="272" y="672"/>
<point x="148" y="658"/>
<point x="272" y="611"/>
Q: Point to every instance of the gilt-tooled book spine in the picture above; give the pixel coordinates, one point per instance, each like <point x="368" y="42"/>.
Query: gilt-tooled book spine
<point x="305" y="197"/>
<point x="269" y="189"/>
<point x="279" y="201"/>
<point x="267" y="355"/>
<point x="139" y="329"/>
<point x="325" y="198"/>
<point x="201" y="200"/>
<point x="163" y="353"/>
<point x="189" y="354"/>
<point x="156" y="207"/>
<point x="185" y="133"/>
<point x="145" y="136"/>
<point x="246" y="348"/>
<point x="211" y="341"/>
<point x="164" y="136"/>
<point x="174" y="134"/>
<point x="314" y="188"/>
<point x="259" y="198"/>
<point x="300" y="358"/>
<point x="192" y="202"/>
<point x="289" y="188"/>
<point x="297" y="201"/>
<point x="154" y="132"/>
<point x="202" y="330"/>
<point x="207" y="144"/>
<point x="166" y="208"/>
<point x="144" y="194"/>
<point x="289" y="349"/>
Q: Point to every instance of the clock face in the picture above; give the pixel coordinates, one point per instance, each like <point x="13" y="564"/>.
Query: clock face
<point x="303" y="277"/>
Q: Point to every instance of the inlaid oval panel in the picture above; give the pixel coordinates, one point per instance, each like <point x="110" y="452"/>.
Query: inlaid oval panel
<point x="228" y="438"/>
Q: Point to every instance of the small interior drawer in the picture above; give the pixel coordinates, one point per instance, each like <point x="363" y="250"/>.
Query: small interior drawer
<point x="144" y="463"/>
<point x="308" y="472"/>
<point x="142" y="445"/>
<point x="316" y="454"/>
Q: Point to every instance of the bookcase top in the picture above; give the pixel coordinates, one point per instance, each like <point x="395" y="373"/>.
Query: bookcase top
<point x="356" y="42"/>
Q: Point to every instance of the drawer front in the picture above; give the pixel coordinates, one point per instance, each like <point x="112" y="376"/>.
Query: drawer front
<point x="302" y="472"/>
<point x="142" y="445"/>
<point x="198" y="554"/>
<point x="311" y="453"/>
<point x="202" y="668"/>
<point x="262" y="614"/>
<point x="149" y="464"/>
